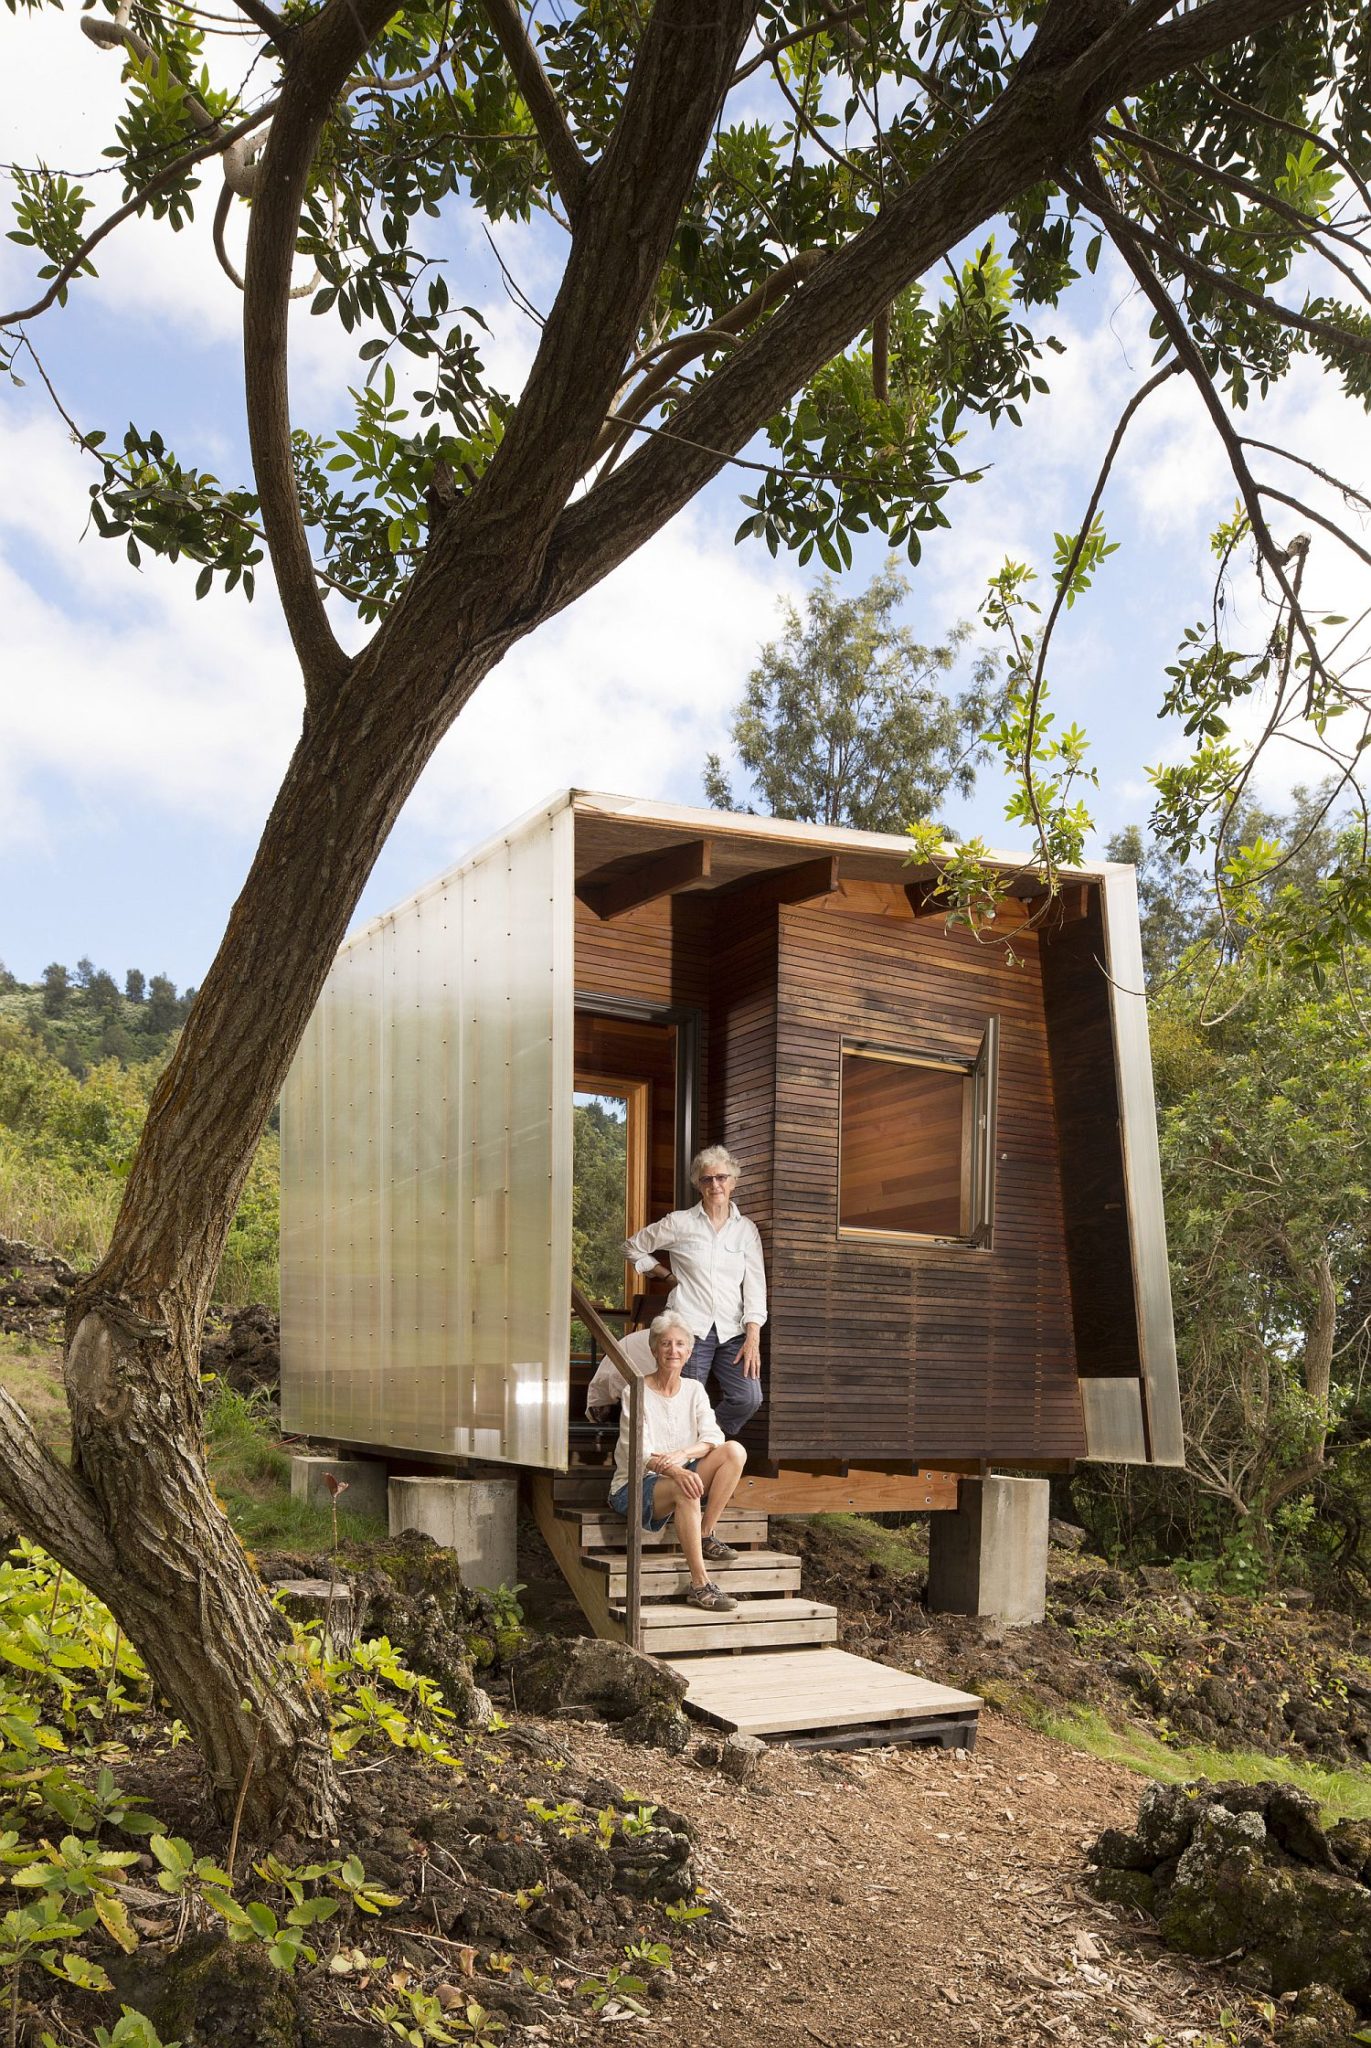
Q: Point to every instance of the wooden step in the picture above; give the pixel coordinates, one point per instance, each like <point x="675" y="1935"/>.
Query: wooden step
<point x="584" y="1486"/>
<point x="755" y="1571"/>
<point x="603" y="1530"/>
<point x="670" y="1628"/>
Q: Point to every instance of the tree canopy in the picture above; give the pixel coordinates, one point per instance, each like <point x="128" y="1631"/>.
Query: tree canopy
<point x="844" y="720"/>
<point x="1262" y="1083"/>
<point x="819" y="244"/>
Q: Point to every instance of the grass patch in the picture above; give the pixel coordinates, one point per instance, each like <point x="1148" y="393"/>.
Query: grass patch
<point x="31" y="1373"/>
<point x="863" y="1542"/>
<point x="251" y="1474"/>
<point x="1342" y="1794"/>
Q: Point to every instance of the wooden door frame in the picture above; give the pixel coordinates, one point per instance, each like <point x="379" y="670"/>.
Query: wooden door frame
<point x="688" y="1025"/>
<point x="637" y="1096"/>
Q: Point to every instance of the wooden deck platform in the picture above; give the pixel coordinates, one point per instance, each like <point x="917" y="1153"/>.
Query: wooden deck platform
<point x="825" y="1698"/>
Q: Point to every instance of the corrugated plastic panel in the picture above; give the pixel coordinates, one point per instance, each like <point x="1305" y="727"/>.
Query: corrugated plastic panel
<point x="426" y="1170"/>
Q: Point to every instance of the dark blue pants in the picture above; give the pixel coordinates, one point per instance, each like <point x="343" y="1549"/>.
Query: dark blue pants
<point x="737" y="1398"/>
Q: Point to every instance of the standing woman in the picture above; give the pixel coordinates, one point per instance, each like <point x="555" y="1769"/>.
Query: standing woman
<point x="720" y="1290"/>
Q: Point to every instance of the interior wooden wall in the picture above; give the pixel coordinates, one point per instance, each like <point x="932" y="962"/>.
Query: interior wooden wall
<point x="1087" y="1107"/>
<point x="887" y="1183"/>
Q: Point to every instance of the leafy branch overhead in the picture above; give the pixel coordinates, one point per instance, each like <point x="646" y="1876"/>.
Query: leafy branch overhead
<point x="1223" y="150"/>
<point x="822" y="244"/>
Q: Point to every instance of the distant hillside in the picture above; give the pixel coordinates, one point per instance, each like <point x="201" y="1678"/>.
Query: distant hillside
<point x="78" y="1064"/>
<point x="82" y="1015"/>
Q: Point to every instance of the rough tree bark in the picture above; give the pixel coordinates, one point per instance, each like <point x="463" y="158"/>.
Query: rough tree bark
<point x="135" y="1519"/>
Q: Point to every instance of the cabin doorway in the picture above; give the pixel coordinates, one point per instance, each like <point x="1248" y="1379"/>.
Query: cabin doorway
<point x="630" y="1074"/>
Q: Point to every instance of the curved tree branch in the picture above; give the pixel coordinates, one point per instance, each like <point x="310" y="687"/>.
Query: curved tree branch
<point x="1036" y="124"/>
<point x="570" y="171"/>
<point x="1336" y="483"/>
<point x="1328" y="525"/>
<point x="322" y="60"/>
<point x="1172" y="252"/>
<point x="165" y="177"/>
<point x="830" y="19"/>
<point x="268" y="20"/>
<point x="1128" y="239"/>
<point x="687" y="55"/>
<point x="674" y="355"/>
<point x="48" y="1504"/>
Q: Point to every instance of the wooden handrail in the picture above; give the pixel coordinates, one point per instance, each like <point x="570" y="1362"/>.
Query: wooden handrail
<point x="633" y="1378"/>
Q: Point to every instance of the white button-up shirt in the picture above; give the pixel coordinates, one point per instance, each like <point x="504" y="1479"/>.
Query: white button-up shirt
<point x="720" y="1278"/>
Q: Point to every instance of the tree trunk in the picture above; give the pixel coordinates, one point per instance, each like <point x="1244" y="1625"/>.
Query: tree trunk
<point x="1318" y="1378"/>
<point x="136" y="1519"/>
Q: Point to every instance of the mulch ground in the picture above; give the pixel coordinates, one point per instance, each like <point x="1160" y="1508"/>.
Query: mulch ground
<point x="916" y="1899"/>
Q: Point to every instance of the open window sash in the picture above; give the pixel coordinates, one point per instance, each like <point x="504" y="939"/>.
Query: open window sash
<point x="985" y="1089"/>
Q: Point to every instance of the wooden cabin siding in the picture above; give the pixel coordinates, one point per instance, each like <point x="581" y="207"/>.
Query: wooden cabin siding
<point x="883" y="1347"/>
<point x="1085" y="1092"/>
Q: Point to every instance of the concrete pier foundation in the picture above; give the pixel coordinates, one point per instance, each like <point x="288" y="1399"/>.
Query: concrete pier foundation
<point x="990" y="1556"/>
<point x="476" y="1518"/>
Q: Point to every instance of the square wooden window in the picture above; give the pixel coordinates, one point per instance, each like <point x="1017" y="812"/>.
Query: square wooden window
<point x="916" y="1147"/>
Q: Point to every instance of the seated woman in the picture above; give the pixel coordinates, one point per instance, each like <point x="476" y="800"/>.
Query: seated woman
<point x="689" y="1472"/>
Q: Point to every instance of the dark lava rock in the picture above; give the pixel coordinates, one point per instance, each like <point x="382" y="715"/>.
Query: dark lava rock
<point x="247" y="1351"/>
<point x="409" y="1589"/>
<point x="212" y="1993"/>
<point x="1249" y="1870"/>
<point x="617" y="1683"/>
<point x="657" y="1726"/>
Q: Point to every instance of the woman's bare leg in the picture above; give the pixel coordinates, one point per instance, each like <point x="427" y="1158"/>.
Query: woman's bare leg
<point x="668" y="1499"/>
<point x="720" y="1469"/>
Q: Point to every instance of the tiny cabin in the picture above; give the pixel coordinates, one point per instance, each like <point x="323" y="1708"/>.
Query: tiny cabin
<point x="947" y="1141"/>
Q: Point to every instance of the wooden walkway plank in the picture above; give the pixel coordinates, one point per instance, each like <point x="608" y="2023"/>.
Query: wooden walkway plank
<point x="805" y="1691"/>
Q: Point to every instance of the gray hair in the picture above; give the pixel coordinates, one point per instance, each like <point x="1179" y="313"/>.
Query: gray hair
<point x="669" y="1319"/>
<point x="716" y="1156"/>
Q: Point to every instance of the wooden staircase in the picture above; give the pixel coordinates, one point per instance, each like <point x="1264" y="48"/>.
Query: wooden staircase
<point x="770" y="1667"/>
<point x="589" y="1543"/>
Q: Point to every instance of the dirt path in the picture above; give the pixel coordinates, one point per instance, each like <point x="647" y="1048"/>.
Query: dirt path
<point x="916" y="1899"/>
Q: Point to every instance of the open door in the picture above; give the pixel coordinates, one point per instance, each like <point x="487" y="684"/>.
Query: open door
<point x="609" y="1198"/>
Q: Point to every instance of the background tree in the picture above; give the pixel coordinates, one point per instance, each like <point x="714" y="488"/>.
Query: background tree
<point x="1264" y="1095"/>
<point x="844" y="720"/>
<point x="726" y="275"/>
<point x="56" y="988"/>
<point x="600" y="1179"/>
<point x="135" y="987"/>
<point x="162" y="1011"/>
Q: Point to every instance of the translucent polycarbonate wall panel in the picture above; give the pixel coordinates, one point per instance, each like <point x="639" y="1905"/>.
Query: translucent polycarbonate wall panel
<point x="1165" y="1440"/>
<point x="426" y="1130"/>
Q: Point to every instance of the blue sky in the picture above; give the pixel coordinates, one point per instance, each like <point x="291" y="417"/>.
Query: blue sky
<point x="144" y="733"/>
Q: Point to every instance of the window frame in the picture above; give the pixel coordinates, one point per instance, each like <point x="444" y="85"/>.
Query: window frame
<point x="981" y="1101"/>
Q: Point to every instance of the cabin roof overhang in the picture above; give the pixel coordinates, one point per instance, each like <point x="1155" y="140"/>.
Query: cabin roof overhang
<point x="617" y="833"/>
<point x="615" y="829"/>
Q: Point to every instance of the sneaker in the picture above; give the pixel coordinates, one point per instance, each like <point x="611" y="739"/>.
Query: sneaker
<point x="718" y="1552"/>
<point x="710" y="1599"/>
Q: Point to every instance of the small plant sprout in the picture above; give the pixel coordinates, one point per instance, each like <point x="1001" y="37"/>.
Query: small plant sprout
<point x="336" y="1487"/>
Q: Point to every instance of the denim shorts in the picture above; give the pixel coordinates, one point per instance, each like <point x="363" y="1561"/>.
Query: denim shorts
<point x="618" y="1500"/>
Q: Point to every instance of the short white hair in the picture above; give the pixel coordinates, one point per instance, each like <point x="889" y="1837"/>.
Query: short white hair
<point x="716" y="1156"/>
<point x="669" y="1319"/>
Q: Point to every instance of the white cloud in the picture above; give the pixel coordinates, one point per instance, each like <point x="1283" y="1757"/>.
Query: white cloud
<point x="124" y="689"/>
<point x="135" y="694"/>
<point x="626" y="692"/>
